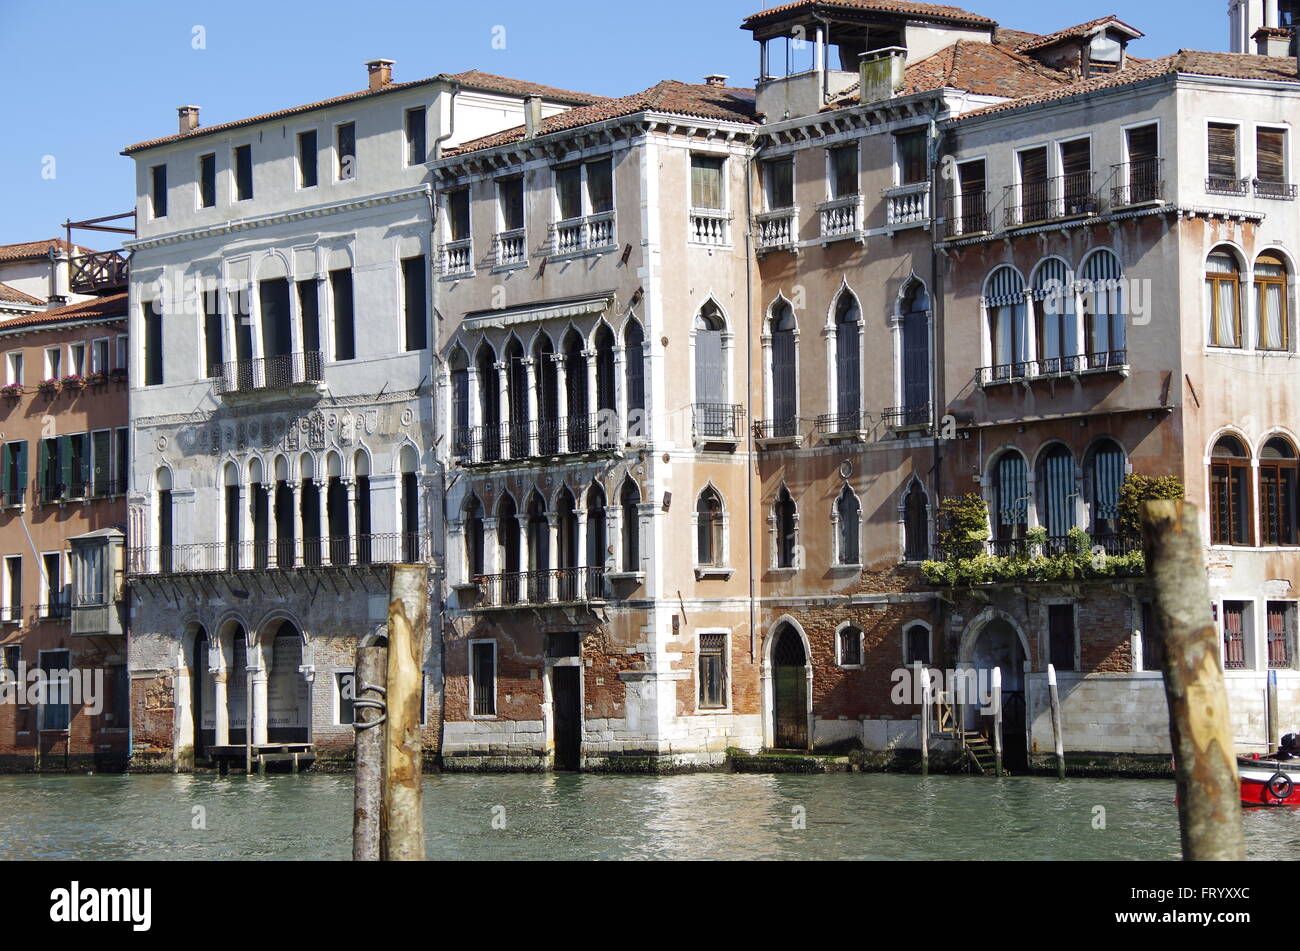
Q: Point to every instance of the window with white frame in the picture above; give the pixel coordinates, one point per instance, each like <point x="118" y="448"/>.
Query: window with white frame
<point x="848" y="528"/>
<point x="916" y="645"/>
<point x="53" y="362"/>
<point x="77" y="359"/>
<point x="12" y="609"/>
<point x="14" y="368"/>
<point x="848" y="646"/>
<point x="709" y="546"/>
<point x="713" y="671"/>
<point x="483" y="678"/>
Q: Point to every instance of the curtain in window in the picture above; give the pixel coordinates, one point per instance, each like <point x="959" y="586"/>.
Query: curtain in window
<point x="1221" y="300"/>
<point x="1012" y="492"/>
<point x="1270" y="299"/>
<point x="1107" y="477"/>
<point x="706" y="181"/>
<point x="1106" y="330"/>
<point x="1058" y="496"/>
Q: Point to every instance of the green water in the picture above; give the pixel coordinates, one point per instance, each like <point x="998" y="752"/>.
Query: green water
<point x="572" y="816"/>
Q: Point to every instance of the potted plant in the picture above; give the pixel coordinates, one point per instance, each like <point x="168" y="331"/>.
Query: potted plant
<point x="119" y="373"/>
<point x="73" y="381"/>
<point x="12" y="390"/>
<point x="96" y="379"/>
<point x="48" y="386"/>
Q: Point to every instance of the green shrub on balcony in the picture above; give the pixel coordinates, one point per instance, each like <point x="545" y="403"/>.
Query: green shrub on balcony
<point x="1140" y="488"/>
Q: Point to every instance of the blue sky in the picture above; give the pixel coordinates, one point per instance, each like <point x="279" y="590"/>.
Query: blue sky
<point x="84" y="79"/>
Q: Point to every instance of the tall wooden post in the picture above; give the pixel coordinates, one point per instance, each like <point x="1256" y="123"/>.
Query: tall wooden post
<point x="1055" y="697"/>
<point x="368" y="707"/>
<point x="997" y="718"/>
<point x="1209" y="791"/>
<point x="924" y="725"/>
<point x="1274" y="721"/>
<point x="408" y="619"/>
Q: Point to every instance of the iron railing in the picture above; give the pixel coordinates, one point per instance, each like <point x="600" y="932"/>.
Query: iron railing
<point x="1046" y="199"/>
<point x="908" y="417"/>
<point x="332" y="551"/>
<point x="55" y="610"/>
<point x="543" y="438"/>
<point x="717" y="420"/>
<point x="852" y="422"/>
<point x="14" y="496"/>
<point x="787" y="428"/>
<point x="1276" y="190"/>
<point x="544" y="586"/>
<point x="268" y="373"/>
<point x="1221" y="185"/>
<point x="966" y="213"/>
<point x="1139" y="182"/>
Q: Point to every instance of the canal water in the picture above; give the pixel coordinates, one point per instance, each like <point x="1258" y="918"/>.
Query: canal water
<point x="574" y="816"/>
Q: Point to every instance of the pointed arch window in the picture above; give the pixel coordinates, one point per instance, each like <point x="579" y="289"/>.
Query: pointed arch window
<point x="1055" y="323"/>
<point x="575" y="393"/>
<point x="508" y="538"/>
<point x="916" y="524"/>
<point x="489" y="397"/>
<point x="1272" y="294"/>
<point x="1230" y="503"/>
<point x="634" y="371"/>
<point x="783" y="371"/>
<point x="1277" y="492"/>
<point x="460" y="434"/>
<point x="597" y="541"/>
<point x="606" y="397"/>
<point x="1004" y="301"/>
<point x="1223" y="299"/>
<point x="630" y="502"/>
<point x="848" y="361"/>
<point x="786" y="517"/>
<point x="916" y="361"/>
<point x="1010" y="513"/>
<point x="517" y="381"/>
<point x="473" y="537"/>
<point x="848" y="535"/>
<point x="1104" y="321"/>
<point x="708" y="529"/>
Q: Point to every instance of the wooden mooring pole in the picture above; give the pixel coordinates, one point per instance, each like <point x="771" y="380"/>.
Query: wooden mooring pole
<point x="1209" y="791"/>
<point x="1054" y="696"/>
<point x="997" y="718"/>
<point x="408" y="618"/>
<point x="924" y="725"/>
<point x="369" y="689"/>
<point x="1274" y="721"/>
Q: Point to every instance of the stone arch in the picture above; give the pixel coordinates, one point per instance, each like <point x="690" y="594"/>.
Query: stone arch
<point x="787" y="691"/>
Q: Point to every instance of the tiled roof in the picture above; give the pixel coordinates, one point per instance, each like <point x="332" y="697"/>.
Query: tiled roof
<point x="1072" y="32"/>
<point x="671" y="96"/>
<point x="29" y="250"/>
<point x="113" y="306"/>
<point x="980" y="68"/>
<point x="12" y="295"/>
<point x="1013" y="39"/>
<point x="925" y="11"/>
<point x="470" y="78"/>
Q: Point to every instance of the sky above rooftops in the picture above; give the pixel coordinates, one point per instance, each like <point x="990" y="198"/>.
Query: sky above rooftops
<point x="81" y="84"/>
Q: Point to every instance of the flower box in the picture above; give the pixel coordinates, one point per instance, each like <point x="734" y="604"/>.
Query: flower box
<point x="12" y="390"/>
<point x="48" y="386"/>
<point x="73" y="381"/>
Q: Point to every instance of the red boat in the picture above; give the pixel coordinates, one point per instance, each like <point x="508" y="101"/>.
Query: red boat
<point x="1266" y="782"/>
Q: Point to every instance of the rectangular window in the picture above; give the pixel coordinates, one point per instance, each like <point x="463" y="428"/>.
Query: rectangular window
<point x="53" y="362"/>
<point x="1222" y="158"/>
<point x="77" y="478"/>
<point x="101" y="464"/>
<point x="77" y="359"/>
<point x="14" y="487"/>
<point x="99" y="356"/>
<point x="243" y="172"/>
<point x="1076" y="177"/>
<point x="308" y="175"/>
<point x="844" y="182"/>
<point x="971" y="213"/>
<point x="208" y="180"/>
<point x="510" y="199"/>
<point x="913" y="163"/>
<point x="347" y="151"/>
<point x="92" y="584"/>
<point x="1270" y="156"/>
<point x="213" y="342"/>
<point x="778" y="184"/>
<point x="153" y="343"/>
<point x="1234" y="634"/>
<point x="118" y="712"/>
<point x="1144" y="182"/>
<point x="13" y="588"/>
<point x="122" y="459"/>
<point x="850" y="647"/>
<point x="458" y="214"/>
<point x="416" y="150"/>
<point x="1153" y="643"/>
<point x="713" y="671"/>
<point x="10" y="657"/>
<point x="158" y="190"/>
<point x="916" y="646"/>
<point x="483" y="678"/>
<point x="15" y="368"/>
<point x="1060" y="624"/>
<point x="1281" y="634"/>
<point x="309" y="312"/>
<point x="568" y="191"/>
<point x="345" y="340"/>
<point x="51" y="603"/>
<point x="600" y="186"/>
<point x="1230" y="506"/>
<point x="415" y="303"/>
<point x="706" y="181"/>
<point x="121" y="353"/>
<point x="345" y="684"/>
<point x="1035" y="198"/>
<point x="55" y="711"/>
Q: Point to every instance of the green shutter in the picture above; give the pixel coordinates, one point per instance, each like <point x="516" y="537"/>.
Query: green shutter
<point x="65" y="464"/>
<point x="100" y="442"/>
<point x="43" y="468"/>
<point x="20" y="464"/>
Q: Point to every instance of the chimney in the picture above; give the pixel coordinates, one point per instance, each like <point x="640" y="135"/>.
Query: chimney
<point x="532" y="116"/>
<point x="716" y="79"/>
<point x="381" y="73"/>
<point x="189" y="118"/>
<point x="882" y="73"/>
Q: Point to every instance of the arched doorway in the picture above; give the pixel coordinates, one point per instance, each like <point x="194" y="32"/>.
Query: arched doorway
<point x="287" y="699"/>
<point x="998" y="645"/>
<point x="202" y="721"/>
<point x="789" y="690"/>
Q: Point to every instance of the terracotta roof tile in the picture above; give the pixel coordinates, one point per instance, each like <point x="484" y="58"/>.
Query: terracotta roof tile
<point x="113" y="306"/>
<point x="928" y="11"/>
<point x="29" y="250"/>
<point x="1011" y="39"/>
<point x="1073" y="32"/>
<point x="12" y="295"/>
<point x="984" y="69"/>
<point x="671" y="96"/>
<point x="471" y="78"/>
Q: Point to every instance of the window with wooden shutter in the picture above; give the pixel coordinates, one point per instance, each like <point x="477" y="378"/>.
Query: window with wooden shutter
<point x="778" y="183"/>
<point x="844" y="171"/>
<point x="912" y="165"/>
<point x="1223" y="158"/>
<point x="1270" y="155"/>
<point x="706" y="181"/>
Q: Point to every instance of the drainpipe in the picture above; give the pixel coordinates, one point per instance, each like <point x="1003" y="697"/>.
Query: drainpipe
<point x="937" y="358"/>
<point x="749" y="395"/>
<point x="823" y="80"/>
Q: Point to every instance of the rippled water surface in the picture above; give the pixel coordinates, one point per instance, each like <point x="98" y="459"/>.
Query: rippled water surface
<point x="702" y="816"/>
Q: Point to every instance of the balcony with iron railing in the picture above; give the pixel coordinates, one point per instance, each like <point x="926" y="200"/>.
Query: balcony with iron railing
<point x="1106" y="361"/>
<point x="1137" y="183"/>
<point x="1051" y="199"/>
<point x="772" y="432"/>
<point x="1227" y="185"/>
<point x="778" y="230"/>
<point x="53" y="491"/>
<point x="583" y="235"/>
<point x="493" y="443"/>
<point x="848" y="423"/>
<point x="718" y="425"/>
<point x="907" y="205"/>
<point x="917" y="416"/>
<point x="966" y="215"/>
<point x="547" y="586"/>
<point x="840" y="217"/>
<point x="281" y="372"/>
<point x="283" y="554"/>
<point x="1277" y="191"/>
<point x="57" y="609"/>
<point x="710" y="226"/>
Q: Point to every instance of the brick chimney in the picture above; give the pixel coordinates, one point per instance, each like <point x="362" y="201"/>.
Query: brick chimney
<point x="716" y="79"/>
<point x="189" y="118"/>
<point x="532" y="116"/>
<point x="381" y="73"/>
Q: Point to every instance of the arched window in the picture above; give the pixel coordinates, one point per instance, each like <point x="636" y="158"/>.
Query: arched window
<point x="166" y="540"/>
<point x="1104" y="306"/>
<point x="916" y="645"/>
<point x="1223" y="299"/>
<point x="473" y="537"/>
<point x="786" y="518"/>
<point x="784" y="399"/>
<point x="916" y="524"/>
<point x="361" y="469"/>
<point x="575" y="393"/>
<point x="848" y="646"/>
<point x="915" y="389"/>
<point x="486" y="443"/>
<point x="1230" y="508"/>
<point x="1055" y="321"/>
<point x="848" y="518"/>
<point x="630" y="501"/>
<point x="708" y="529"/>
<point x="508" y="539"/>
<point x="1271" y="297"/>
<point x="712" y="418"/>
<point x="1057" y="479"/>
<point x="567" y="556"/>
<point x="1010" y="515"/>
<point x="1004" y="300"/>
<point x="234" y="516"/>
<point x="309" y="507"/>
<point x="1106" y="476"/>
<point x="1277" y="492"/>
<point x="547" y="378"/>
<point x="517" y="383"/>
<point x="460" y="438"/>
<point x="539" y="549"/>
<point x="606" y="398"/>
<point x="597" y="541"/>
<point x="848" y="361"/>
<point x="634" y="370"/>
